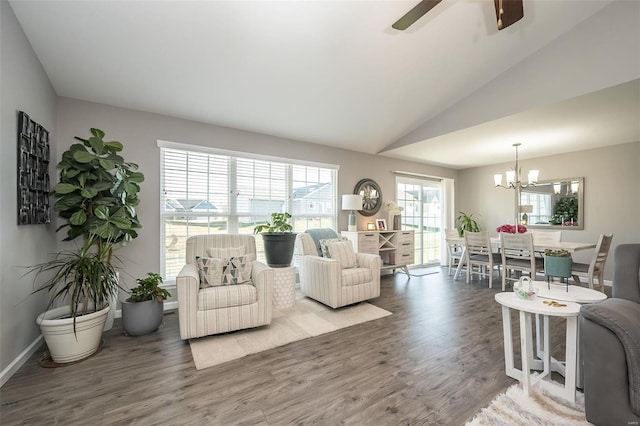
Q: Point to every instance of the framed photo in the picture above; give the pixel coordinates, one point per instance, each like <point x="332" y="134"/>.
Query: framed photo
<point x="381" y="224"/>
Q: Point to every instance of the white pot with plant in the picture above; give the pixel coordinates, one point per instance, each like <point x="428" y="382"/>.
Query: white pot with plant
<point x="96" y="195"/>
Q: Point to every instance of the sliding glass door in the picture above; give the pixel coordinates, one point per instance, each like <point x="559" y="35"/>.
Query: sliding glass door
<point x="421" y="199"/>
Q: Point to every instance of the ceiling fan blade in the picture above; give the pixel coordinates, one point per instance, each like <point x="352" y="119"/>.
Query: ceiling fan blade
<point x="508" y="12"/>
<point x="414" y="14"/>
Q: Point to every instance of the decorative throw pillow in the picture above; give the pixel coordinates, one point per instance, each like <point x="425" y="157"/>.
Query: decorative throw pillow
<point x="210" y="271"/>
<point x="318" y="234"/>
<point x="237" y="269"/>
<point x="324" y="250"/>
<point x="224" y="252"/>
<point x="226" y="271"/>
<point x="342" y="251"/>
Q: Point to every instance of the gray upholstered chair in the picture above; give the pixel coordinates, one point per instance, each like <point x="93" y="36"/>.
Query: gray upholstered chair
<point x="212" y="310"/>
<point x="325" y="280"/>
<point x="610" y="346"/>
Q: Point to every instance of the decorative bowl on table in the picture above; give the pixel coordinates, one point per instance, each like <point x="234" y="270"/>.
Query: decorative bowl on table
<point x="525" y="289"/>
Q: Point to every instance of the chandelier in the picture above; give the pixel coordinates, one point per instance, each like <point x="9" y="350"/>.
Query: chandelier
<point x="514" y="181"/>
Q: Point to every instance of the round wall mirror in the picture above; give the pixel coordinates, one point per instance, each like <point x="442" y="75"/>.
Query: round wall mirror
<point x="371" y="196"/>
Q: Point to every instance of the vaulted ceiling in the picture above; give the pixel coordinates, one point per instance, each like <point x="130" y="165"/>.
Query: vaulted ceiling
<point x="451" y="90"/>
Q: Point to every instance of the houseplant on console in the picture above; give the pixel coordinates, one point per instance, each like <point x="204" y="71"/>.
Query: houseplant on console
<point x="279" y="241"/>
<point x="142" y="312"/>
<point x="97" y="195"/>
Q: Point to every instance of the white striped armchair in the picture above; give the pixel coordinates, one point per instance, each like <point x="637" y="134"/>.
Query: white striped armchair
<point x="213" y="310"/>
<point x="324" y="280"/>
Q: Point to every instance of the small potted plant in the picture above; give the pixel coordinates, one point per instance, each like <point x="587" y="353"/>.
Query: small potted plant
<point x="557" y="263"/>
<point x="279" y="241"/>
<point x="142" y="312"/>
<point x="466" y="222"/>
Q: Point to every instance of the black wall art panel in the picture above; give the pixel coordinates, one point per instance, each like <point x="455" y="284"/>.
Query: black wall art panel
<point x="33" y="172"/>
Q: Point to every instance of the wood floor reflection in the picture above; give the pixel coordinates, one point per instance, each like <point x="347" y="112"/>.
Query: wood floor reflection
<point x="437" y="360"/>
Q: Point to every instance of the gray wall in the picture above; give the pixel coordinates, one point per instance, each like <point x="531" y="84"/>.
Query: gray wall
<point x="612" y="198"/>
<point x="24" y="87"/>
<point x="140" y="131"/>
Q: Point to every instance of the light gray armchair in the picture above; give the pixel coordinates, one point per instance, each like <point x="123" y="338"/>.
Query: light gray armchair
<point x="324" y="280"/>
<point x="610" y="346"/>
<point x="212" y="310"/>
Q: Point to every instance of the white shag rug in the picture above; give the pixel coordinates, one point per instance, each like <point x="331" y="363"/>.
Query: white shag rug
<point x="541" y="408"/>
<point x="307" y="318"/>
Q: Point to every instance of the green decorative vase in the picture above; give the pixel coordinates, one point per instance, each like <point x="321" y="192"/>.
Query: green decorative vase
<point x="558" y="266"/>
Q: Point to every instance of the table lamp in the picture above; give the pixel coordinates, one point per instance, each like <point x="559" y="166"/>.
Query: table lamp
<point x="352" y="202"/>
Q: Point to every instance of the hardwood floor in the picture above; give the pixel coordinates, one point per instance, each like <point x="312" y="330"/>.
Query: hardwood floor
<point x="437" y="360"/>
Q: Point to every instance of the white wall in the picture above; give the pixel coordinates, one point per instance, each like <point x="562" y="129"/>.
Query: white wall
<point x="24" y="87"/>
<point x="139" y="132"/>
<point x="611" y="197"/>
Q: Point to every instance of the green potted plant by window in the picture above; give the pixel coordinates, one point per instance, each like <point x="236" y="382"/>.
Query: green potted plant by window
<point x="279" y="241"/>
<point x="466" y="222"/>
<point x="142" y="312"/>
<point x="96" y="195"/>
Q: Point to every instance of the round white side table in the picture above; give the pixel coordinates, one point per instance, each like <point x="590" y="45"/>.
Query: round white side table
<point x="284" y="287"/>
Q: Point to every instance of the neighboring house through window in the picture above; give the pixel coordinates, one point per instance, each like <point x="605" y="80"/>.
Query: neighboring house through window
<point x="211" y="191"/>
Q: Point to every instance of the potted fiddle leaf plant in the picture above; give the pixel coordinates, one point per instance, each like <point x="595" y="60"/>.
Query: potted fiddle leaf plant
<point x="279" y="241"/>
<point x="142" y="312"/>
<point x="97" y="195"/>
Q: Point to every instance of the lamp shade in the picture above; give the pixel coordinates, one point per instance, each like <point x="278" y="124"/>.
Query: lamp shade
<point x="352" y="202"/>
<point x="526" y="208"/>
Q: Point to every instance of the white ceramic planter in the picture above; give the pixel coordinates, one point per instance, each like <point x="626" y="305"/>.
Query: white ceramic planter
<point x="65" y="345"/>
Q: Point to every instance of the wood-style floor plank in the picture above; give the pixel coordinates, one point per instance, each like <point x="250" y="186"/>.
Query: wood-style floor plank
<point x="437" y="360"/>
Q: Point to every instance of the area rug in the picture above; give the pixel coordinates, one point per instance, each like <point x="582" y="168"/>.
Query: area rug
<point x="540" y="408"/>
<point x="307" y="318"/>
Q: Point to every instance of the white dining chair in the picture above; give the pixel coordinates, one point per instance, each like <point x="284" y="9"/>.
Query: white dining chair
<point x="518" y="256"/>
<point x="544" y="238"/>
<point x="455" y="247"/>
<point x="478" y="252"/>
<point x="594" y="269"/>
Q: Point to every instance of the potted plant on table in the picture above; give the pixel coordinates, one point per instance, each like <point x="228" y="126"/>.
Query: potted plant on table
<point x="279" y="241"/>
<point x="142" y="312"/>
<point x="557" y="263"/>
<point x="96" y="195"/>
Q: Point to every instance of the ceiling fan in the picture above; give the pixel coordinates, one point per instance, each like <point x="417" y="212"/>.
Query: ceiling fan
<point x="507" y="13"/>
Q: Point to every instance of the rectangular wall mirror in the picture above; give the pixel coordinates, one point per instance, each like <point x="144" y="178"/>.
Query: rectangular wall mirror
<point x="553" y="204"/>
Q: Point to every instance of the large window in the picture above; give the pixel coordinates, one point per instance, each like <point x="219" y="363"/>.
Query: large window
<point x="209" y="192"/>
<point x="422" y="203"/>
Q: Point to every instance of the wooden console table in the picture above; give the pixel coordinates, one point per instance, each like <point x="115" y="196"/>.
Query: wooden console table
<point x="396" y="248"/>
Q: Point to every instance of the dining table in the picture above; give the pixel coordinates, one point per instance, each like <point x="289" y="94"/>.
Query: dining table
<point x="569" y="246"/>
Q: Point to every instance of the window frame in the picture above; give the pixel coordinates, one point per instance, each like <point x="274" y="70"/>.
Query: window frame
<point x="231" y="215"/>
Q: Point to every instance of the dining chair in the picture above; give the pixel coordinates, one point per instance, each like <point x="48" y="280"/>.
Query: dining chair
<point x="455" y="247"/>
<point x="545" y="238"/>
<point x="595" y="268"/>
<point x="478" y="252"/>
<point x="518" y="255"/>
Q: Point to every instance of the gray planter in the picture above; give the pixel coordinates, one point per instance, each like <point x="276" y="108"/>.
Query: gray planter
<point x="140" y="318"/>
<point x="278" y="248"/>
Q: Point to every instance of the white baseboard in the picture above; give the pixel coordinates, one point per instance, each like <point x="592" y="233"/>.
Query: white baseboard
<point x="19" y="361"/>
